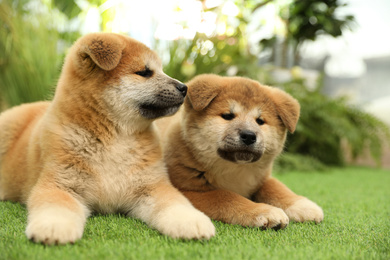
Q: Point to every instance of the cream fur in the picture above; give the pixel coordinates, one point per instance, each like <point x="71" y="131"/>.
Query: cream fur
<point x="52" y="224"/>
<point x="305" y="210"/>
<point x="272" y="218"/>
<point x="187" y="220"/>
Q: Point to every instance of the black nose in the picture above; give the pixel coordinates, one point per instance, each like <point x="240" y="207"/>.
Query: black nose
<point x="182" y="88"/>
<point x="248" y="137"/>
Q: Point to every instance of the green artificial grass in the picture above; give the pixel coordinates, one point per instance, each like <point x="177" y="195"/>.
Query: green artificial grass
<point x="356" y="203"/>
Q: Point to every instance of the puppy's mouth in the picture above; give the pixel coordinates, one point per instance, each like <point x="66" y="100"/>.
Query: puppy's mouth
<point x="239" y="156"/>
<point x="152" y="111"/>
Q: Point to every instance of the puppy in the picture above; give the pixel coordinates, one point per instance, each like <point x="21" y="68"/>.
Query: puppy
<point x="220" y="148"/>
<point x="94" y="148"/>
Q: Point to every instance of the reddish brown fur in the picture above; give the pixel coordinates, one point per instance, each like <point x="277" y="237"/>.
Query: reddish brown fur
<point x="224" y="190"/>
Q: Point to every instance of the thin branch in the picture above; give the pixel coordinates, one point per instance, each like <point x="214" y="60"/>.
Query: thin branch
<point x="261" y="5"/>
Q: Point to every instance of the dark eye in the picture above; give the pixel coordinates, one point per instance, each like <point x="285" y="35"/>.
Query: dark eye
<point x="228" y="116"/>
<point x="260" y="121"/>
<point x="146" y="73"/>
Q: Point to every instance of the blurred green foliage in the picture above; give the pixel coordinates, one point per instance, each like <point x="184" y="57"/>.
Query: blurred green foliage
<point x="216" y="54"/>
<point x="68" y="7"/>
<point x="289" y="161"/>
<point x="29" y="60"/>
<point x="222" y="54"/>
<point x="31" y="49"/>
<point x="326" y="123"/>
<point x="306" y="20"/>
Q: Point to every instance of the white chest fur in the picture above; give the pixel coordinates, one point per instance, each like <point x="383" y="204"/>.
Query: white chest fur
<point x="124" y="173"/>
<point x="241" y="179"/>
<point x="119" y="170"/>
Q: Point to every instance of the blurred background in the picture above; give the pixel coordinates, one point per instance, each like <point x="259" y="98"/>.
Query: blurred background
<point x="333" y="56"/>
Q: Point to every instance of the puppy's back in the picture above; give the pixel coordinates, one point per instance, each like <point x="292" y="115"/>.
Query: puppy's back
<point x="16" y="125"/>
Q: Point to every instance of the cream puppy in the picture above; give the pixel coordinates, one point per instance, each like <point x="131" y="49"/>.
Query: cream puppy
<point x="221" y="147"/>
<point x="94" y="148"/>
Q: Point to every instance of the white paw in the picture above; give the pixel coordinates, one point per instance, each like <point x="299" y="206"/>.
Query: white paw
<point x="186" y="222"/>
<point x="55" y="225"/>
<point x="271" y="217"/>
<point x="305" y="210"/>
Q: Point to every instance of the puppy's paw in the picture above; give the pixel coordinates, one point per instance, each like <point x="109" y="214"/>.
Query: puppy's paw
<point x="305" y="210"/>
<point x="186" y="222"/>
<point x="271" y="217"/>
<point x="55" y="225"/>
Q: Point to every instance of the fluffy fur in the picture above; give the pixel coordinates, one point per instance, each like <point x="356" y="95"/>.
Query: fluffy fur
<point x="220" y="149"/>
<point x="94" y="148"/>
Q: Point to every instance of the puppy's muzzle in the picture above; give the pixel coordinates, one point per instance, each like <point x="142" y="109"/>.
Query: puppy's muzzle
<point x="244" y="147"/>
<point x="182" y="88"/>
<point x="166" y="102"/>
<point x="248" y="137"/>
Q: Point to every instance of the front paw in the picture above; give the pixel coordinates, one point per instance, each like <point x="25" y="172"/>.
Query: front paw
<point x="186" y="222"/>
<point x="268" y="216"/>
<point x="305" y="210"/>
<point x="54" y="225"/>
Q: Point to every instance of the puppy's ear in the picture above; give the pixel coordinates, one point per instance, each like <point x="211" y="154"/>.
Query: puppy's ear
<point x="287" y="108"/>
<point x="202" y="90"/>
<point x="102" y="49"/>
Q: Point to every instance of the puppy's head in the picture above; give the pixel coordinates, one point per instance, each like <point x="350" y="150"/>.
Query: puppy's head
<point x="237" y="119"/>
<point x="121" y="76"/>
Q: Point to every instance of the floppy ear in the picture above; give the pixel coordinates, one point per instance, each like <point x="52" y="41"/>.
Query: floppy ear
<point x="287" y="108"/>
<point x="202" y="90"/>
<point x="103" y="49"/>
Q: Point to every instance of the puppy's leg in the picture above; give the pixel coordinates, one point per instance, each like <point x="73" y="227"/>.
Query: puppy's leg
<point x="229" y="207"/>
<point x="168" y="211"/>
<point x="54" y="216"/>
<point x="297" y="208"/>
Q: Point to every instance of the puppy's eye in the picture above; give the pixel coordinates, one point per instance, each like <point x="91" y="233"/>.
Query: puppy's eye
<point x="228" y="116"/>
<point x="260" y="121"/>
<point x="146" y="73"/>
